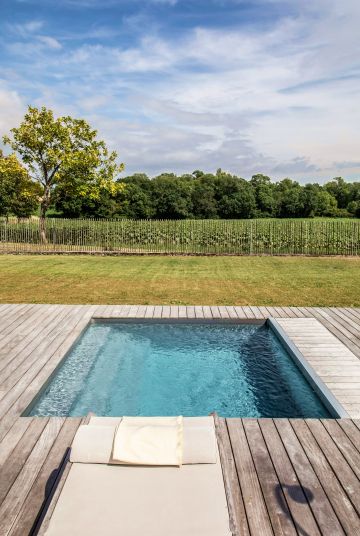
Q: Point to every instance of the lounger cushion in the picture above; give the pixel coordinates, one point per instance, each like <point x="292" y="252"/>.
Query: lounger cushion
<point x="111" y="500"/>
<point x="93" y="442"/>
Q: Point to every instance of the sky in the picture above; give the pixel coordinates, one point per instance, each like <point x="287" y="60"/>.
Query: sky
<point x="257" y="86"/>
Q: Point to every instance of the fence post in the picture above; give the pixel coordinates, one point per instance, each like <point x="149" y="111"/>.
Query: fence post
<point x="251" y="237"/>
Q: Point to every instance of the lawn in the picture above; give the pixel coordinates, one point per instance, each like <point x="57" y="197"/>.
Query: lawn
<point x="297" y="281"/>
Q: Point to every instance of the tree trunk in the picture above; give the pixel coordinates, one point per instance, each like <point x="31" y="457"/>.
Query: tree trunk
<point x="42" y="225"/>
<point x="43" y="208"/>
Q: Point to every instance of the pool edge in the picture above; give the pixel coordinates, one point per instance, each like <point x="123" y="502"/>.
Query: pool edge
<point x="324" y="393"/>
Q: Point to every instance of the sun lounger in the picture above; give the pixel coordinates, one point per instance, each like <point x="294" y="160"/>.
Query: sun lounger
<point x="130" y="500"/>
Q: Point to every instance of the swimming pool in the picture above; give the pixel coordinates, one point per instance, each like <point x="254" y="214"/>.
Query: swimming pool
<point x="156" y="368"/>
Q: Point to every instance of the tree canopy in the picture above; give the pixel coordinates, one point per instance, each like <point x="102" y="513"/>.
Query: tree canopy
<point x="19" y="195"/>
<point x="63" y="152"/>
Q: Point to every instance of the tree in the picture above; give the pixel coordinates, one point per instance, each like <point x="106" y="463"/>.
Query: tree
<point x="326" y="204"/>
<point x="264" y="195"/>
<point x="61" y="151"/>
<point x="290" y="199"/>
<point x="235" y="197"/>
<point x="19" y="195"/>
<point x="171" y="197"/>
<point x="340" y="190"/>
<point x="86" y="201"/>
<point x="134" y="201"/>
<point x="203" y="197"/>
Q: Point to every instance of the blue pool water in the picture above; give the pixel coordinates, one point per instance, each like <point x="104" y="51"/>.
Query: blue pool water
<point x="171" y="369"/>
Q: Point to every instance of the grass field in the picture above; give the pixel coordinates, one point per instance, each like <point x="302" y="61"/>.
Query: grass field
<point x="297" y="281"/>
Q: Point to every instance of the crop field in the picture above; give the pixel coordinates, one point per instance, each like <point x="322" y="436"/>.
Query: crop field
<point x="192" y="237"/>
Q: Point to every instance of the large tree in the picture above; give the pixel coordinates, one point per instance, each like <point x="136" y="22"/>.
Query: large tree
<point x="235" y="197"/>
<point x="171" y="197"/>
<point x="62" y="151"/>
<point x="19" y="195"/>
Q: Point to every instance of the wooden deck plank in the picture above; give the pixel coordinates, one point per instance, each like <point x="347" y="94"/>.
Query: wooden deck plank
<point x="18" y="492"/>
<point x="26" y="389"/>
<point x="165" y="313"/>
<point x="328" y="357"/>
<point x="256" y="511"/>
<point x="12" y="438"/>
<point x="257" y="312"/>
<point x="14" y="463"/>
<point x="329" y="481"/>
<point x="240" y="312"/>
<point x="351" y="326"/>
<point x="174" y="311"/>
<point x="248" y="311"/>
<point x="157" y="311"/>
<point x="207" y="311"/>
<point x="26" y="333"/>
<point x="132" y="311"/>
<point x="215" y="311"/>
<point x="318" y="500"/>
<point x="24" y="374"/>
<point x="182" y="311"/>
<point x="344" y="444"/>
<point x="352" y="431"/>
<point x="339" y="465"/>
<point x="23" y="360"/>
<point x="296" y="500"/>
<point x="335" y="328"/>
<point x="238" y="521"/>
<point x="14" y="326"/>
<point x="223" y="311"/>
<point x="149" y="311"/>
<point x="231" y="312"/>
<point x="45" y="479"/>
<point x="279" y="512"/>
<point x="140" y="313"/>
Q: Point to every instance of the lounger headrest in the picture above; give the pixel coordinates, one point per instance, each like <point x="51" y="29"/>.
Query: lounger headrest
<point x="93" y="442"/>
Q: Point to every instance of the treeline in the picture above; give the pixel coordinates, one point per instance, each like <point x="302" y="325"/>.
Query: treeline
<point x="59" y="164"/>
<point x="202" y="195"/>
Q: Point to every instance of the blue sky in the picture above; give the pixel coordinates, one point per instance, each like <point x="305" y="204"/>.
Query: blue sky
<point x="252" y="86"/>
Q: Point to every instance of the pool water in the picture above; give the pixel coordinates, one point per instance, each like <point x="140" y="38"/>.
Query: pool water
<point x="178" y="369"/>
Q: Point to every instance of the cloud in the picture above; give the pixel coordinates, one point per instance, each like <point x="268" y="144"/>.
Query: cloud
<point x="11" y="109"/>
<point x="26" y="28"/>
<point x="281" y="98"/>
<point x="296" y="166"/>
<point x="49" y="42"/>
<point x="355" y="164"/>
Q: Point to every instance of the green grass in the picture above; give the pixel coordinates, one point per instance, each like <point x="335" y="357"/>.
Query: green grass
<point x="297" y="281"/>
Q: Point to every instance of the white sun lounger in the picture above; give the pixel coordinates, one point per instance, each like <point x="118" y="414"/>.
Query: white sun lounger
<point x="107" y="500"/>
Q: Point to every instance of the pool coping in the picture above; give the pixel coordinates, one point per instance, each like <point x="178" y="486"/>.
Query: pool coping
<point x="324" y="393"/>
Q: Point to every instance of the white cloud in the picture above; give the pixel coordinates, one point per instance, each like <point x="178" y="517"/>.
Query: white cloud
<point x="282" y="100"/>
<point x="11" y="109"/>
<point x="49" y="42"/>
<point x="29" y="27"/>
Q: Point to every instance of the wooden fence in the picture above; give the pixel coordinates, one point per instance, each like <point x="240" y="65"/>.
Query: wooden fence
<point x="184" y="237"/>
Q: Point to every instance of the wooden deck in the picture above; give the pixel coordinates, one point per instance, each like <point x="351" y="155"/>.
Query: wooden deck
<point x="287" y="476"/>
<point x="334" y="364"/>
